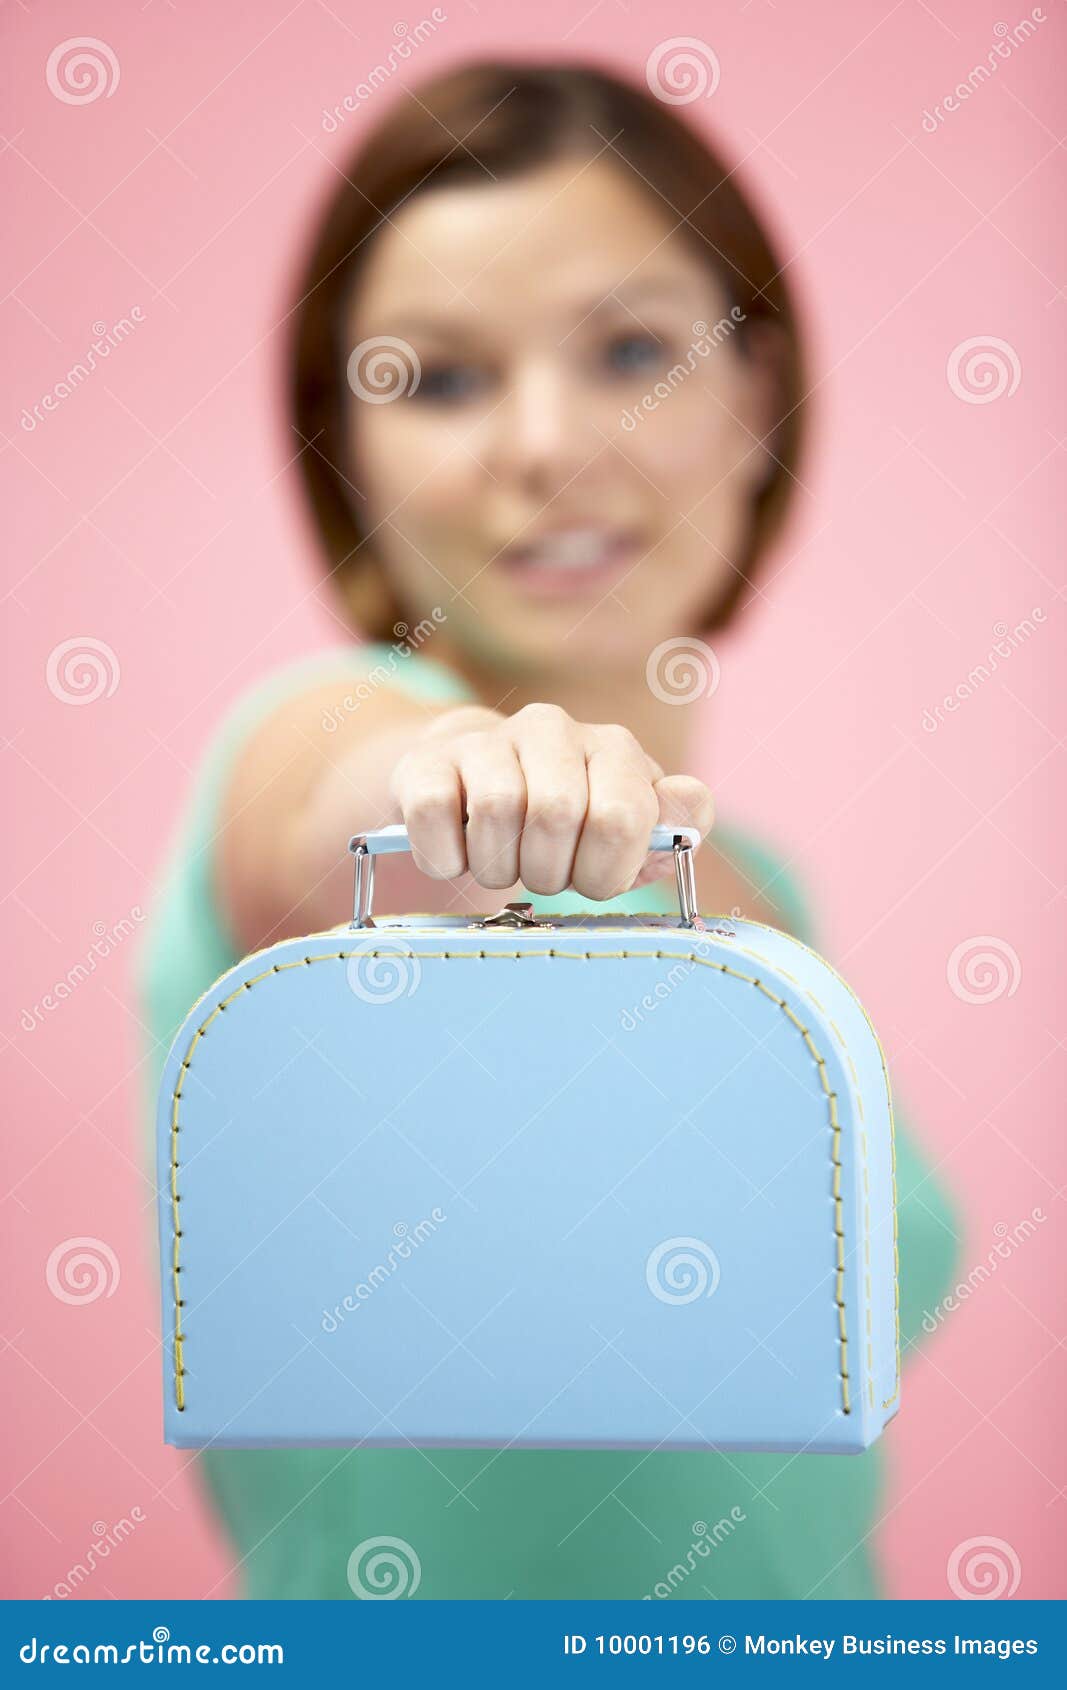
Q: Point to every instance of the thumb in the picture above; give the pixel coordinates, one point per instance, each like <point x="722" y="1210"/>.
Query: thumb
<point x="684" y="801"/>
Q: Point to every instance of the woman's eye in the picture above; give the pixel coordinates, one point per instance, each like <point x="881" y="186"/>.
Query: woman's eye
<point x="633" y="353"/>
<point x="449" y="383"/>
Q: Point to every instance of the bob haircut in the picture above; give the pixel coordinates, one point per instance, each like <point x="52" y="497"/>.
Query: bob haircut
<point x="497" y="119"/>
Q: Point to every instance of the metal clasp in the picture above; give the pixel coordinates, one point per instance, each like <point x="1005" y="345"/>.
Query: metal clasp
<point x="512" y="915"/>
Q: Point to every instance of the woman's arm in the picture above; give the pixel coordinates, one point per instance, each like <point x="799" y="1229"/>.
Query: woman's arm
<point x="550" y="801"/>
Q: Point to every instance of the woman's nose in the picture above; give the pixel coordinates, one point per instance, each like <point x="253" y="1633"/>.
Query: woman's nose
<point x="540" y="436"/>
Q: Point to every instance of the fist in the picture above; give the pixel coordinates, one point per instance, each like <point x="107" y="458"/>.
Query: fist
<point x="548" y="802"/>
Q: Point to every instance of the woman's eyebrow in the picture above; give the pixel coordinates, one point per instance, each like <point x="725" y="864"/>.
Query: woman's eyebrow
<point x="632" y="293"/>
<point x="447" y="327"/>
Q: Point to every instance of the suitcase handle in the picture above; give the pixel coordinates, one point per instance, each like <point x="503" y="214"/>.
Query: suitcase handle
<point x="385" y="841"/>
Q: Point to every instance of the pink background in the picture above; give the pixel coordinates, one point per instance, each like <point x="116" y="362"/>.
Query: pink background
<point x="150" y="511"/>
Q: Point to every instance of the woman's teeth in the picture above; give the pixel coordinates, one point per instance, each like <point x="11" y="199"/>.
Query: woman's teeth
<point x="571" y="548"/>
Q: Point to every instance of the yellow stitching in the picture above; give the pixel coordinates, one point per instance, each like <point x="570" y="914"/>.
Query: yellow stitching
<point x="574" y="956"/>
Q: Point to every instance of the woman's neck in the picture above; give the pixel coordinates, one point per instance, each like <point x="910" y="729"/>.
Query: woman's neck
<point x="666" y="729"/>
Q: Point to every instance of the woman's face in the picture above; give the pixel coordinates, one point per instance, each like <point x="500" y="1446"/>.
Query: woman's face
<point x="574" y="466"/>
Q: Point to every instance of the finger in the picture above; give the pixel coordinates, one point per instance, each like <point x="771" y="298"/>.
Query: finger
<point x="622" y="812"/>
<point x="612" y="734"/>
<point x="552" y="756"/>
<point x="683" y="801"/>
<point x="426" y="785"/>
<point x="495" y="801"/>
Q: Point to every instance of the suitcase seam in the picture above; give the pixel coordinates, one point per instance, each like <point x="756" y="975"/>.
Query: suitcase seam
<point x="830" y="1097"/>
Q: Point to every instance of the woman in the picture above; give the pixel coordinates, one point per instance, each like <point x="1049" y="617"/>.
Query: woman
<point x="547" y="375"/>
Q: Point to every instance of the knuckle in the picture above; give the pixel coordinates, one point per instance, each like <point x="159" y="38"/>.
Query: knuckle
<point x="545" y="885"/>
<point x="473" y="739"/>
<point x="427" y="807"/>
<point x="497" y="807"/>
<point x="543" y="714"/>
<point x="494" y="876"/>
<point x="615" y="736"/>
<point x="558" y="815"/>
<point x="696" y="797"/>
<point x="621" y="821"/>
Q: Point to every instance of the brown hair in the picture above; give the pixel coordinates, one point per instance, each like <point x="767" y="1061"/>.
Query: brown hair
<point x="485" y="121"/>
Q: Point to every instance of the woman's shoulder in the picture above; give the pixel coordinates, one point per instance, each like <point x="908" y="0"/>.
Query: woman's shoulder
<point x="187" y="942"/>
<point x="368" y="665"/>
<point x="756" y="879"/>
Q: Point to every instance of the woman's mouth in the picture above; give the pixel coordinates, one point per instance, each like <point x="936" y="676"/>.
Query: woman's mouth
<point x="570" y="562"/>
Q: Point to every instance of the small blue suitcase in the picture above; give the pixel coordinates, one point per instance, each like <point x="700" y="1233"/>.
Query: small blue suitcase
<point x="532" y="1181"/>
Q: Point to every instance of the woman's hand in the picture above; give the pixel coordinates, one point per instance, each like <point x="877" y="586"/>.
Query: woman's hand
<point x="549" y="801"/>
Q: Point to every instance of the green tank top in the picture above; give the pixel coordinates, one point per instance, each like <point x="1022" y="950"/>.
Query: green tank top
<point x="527" y="1524"/>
